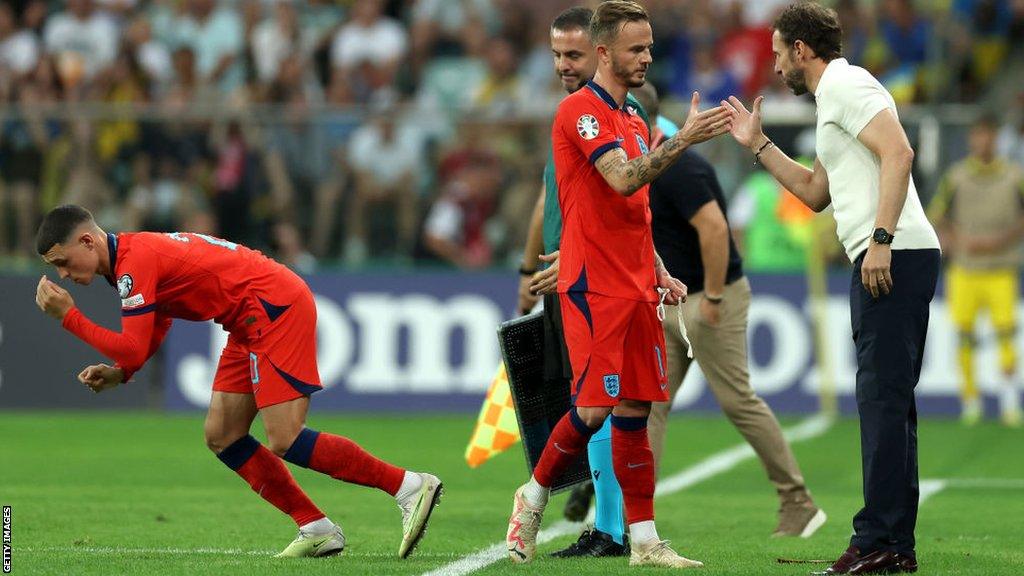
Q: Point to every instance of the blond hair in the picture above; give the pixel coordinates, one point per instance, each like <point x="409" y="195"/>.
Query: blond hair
<point x="610" y="17"/>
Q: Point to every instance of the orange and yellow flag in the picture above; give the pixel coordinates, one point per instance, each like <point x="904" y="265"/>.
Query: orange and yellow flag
<point x="496" y="427"/>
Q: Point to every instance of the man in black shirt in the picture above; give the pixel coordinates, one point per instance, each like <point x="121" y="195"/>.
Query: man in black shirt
<point x="692" y="236"/>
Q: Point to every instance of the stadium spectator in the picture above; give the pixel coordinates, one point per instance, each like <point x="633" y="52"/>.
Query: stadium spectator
<point x="715" y="82"/>
<point x="979" y="211"/>
<point x="456" y="226"/>
<point x="215" y="34"/>
<point x="153" y="58"/>
<point x="501" y="94"/>
<point x="386" y="157"/>
<point x="24" y="142"/>
<point x="745" y="50"/>
<point x="446" y="28"/>
<point x="368" y="51"/>
<point x="19" y="48"/>
<point x="275" y="39"/>
<point x="83" y="41"/>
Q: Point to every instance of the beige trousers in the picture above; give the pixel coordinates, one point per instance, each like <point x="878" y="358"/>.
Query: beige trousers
<point x="721" y="352"/>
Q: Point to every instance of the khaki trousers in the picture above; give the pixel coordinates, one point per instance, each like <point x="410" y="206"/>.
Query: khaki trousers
<point x="721" y="352"/>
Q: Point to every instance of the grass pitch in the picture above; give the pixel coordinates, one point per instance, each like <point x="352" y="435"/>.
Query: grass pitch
<point x="131" y="493"/>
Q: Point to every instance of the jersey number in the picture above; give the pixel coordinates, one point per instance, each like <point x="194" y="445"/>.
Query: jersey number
<point x="209" y="239"/>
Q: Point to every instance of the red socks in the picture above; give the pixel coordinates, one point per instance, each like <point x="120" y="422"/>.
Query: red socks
<point x="343" y="459"/>
<point x="567" y="441"/>
<point x="634" y="466"/>
<point x="270" y="478"/>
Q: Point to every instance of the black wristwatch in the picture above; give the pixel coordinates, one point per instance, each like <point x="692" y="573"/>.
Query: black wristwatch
<point x="882" y="236"/>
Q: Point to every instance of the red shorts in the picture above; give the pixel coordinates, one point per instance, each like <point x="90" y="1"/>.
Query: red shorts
<point x="275" y="358"/>
<point x="616" y="348"/>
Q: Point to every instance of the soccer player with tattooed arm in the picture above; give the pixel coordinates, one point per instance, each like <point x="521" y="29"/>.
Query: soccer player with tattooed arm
<point x="268" y="366"/>
<point x="609" y="279"/>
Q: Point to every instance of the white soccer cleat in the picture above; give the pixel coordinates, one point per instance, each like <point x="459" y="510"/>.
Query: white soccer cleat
<point x="659" y="553"/>
<point x="416" y="513"/>
<point x="971" y="411"/>
<point x="523" y="525"/>
<point x="1009" y="405"/>
<point x="315" y="545"/>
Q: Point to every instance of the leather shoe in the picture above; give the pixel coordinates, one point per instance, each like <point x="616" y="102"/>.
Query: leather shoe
<point x="843" y="564"/>
<point x="908" y="564"/>
<point x="878" y="562"/>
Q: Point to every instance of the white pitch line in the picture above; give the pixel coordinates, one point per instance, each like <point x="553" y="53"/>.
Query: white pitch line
<point x="929" y="488"/>
<point x="210" y="551"/>
<point x="699" y="472"/>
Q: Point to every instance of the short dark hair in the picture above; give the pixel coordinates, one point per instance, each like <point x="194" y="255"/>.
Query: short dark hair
<point x="647" y="96"/>
<point x="58" y="224"/>
<point x="818" y="27"/>
<point x="610" y="16"/>
<point x="988" y="120"/>
<point x="575" y="18"/>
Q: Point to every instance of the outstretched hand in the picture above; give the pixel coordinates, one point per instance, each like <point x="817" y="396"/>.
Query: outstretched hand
<point x="99" y="377"/>
<point x="746" y="124"/>
<point x="701" y="126"/>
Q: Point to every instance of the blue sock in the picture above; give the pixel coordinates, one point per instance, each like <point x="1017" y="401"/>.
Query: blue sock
<point x="607" y="493"/>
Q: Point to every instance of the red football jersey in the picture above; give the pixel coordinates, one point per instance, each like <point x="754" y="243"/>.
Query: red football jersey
<point x="606" y="245"/>
<point x="182" y="275"/>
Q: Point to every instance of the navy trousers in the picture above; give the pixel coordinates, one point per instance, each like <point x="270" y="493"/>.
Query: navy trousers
<point x="889" y="334"/>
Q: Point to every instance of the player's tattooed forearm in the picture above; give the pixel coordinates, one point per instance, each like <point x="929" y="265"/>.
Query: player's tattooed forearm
<point x="636" y="173"/>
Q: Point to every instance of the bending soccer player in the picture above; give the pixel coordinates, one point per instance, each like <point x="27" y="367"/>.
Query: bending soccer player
<point x="575" y="64"/>
<point x="608" y="279"/>
<point x="268" y="365"/>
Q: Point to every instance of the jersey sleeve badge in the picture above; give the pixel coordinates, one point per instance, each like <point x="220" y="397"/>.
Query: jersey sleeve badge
<point x="124" y="285"/>
<point x="588" y="127"/>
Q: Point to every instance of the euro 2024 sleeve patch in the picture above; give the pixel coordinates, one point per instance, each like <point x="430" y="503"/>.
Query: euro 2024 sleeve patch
<point x="588" y="127"/>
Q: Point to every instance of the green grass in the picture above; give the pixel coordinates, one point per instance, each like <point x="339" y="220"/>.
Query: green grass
<point x="139" y="494"/>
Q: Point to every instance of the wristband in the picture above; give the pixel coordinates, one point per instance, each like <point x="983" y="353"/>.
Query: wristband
<point x="523" y="271"/>
<point x="765" y="146"/>
<point x="713" y="299"/>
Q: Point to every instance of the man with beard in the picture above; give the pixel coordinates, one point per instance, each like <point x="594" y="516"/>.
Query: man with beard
<point x="863" y="170"/>
<point x="608" y="280"/>
<point x="575" y="65"/>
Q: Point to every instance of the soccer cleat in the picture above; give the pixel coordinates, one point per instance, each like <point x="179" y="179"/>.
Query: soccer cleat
<point x="521" y="538"/>
<point x="659" y="554"/>
<point x="314" y="545"/>
<point x="971" y="411"/>
<point x="801" y="520"/>
<point x="578" y="504"/>
<point x="594" y="544"/>
<point x="1009" y="405"/>
<point x="416" y="513"/>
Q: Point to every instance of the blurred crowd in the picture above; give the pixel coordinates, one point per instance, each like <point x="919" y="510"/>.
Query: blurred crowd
<point x="377" y="130"/>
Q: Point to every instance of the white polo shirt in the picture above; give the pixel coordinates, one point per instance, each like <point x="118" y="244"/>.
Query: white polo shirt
<point x="848" y="98"/>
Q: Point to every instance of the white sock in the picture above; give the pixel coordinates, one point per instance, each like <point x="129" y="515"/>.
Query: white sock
<point x="536" y="494"/>
<point x="317" y="527"/>
<point x="643" y="532"/>
<point x="1009" y="397"/>
<point x="411" y="484"/>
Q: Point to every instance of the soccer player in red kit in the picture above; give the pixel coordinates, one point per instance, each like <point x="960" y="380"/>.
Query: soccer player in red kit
<point x="268" y="365"/>
<point x="609" y="278"/>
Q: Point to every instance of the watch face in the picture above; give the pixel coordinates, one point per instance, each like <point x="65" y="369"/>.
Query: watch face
<point x="882" y="237"/>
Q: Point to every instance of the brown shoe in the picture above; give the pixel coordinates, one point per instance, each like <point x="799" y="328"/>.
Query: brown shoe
<point x="908" y="564"/>
<point x="879" y="562"/>
<point x="843" y="564"/>
<point x="798" y="516"/>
